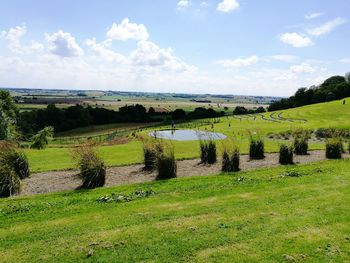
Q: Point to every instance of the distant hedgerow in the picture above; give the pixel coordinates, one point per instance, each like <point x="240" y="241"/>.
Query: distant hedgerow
<point x="92" y="168"/>
<point x="286" y="154"/>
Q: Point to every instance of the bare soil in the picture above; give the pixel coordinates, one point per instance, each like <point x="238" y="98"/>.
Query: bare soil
<point x="68" y="180"/>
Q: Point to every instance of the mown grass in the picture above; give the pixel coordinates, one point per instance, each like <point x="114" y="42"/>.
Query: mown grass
<point x="323" y="115"/>
<point x="258" y="216"/>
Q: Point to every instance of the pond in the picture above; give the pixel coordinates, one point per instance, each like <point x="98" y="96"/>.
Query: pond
<point x="187" y="135"/>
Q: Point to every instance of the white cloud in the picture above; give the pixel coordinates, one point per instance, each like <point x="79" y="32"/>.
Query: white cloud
<point x="345" y="60"/>
<point x="283" y="58"/>
<point x="296" y="40"/>
<point x="13" y="37"/>
<point x="149" y="54"/>
<point x="302" y="68"/>
<point x="313" y="15"/>
<point x="228" y="6"/>
<point x="183" y="4"/>
<point x="63" y="44"/>
<point x="127" y="30"/>
<point x="102" y="50"/>
<point x="239" y="62"/>
<point x="327" y="27"/>
<point x="204" y="4"/>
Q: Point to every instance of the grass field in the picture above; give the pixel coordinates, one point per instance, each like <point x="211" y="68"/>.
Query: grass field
<point x="324" y="115"/>
<point x="257" y="216"/>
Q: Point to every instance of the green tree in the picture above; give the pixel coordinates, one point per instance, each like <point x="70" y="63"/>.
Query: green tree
<point x="8" y="115"/>
<point x="41" y="139"/>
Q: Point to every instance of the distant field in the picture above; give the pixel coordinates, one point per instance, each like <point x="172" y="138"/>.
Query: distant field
<point x="324" y="115"/>
<point x="257" y="216"/>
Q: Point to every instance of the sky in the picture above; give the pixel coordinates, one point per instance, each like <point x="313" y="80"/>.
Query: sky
<point x="242" y="47"/>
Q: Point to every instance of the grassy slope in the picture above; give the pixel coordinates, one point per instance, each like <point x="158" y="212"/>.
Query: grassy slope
<point x="263" y="218"/>
<point x="332" y="114"/>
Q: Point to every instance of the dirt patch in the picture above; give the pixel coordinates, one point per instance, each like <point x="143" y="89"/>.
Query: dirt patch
<point x="68" y="180"/>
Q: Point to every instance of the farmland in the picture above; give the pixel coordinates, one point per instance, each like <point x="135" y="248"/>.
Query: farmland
<point x="237" y="128"/>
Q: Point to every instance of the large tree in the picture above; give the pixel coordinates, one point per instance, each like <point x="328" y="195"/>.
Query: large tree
<point x="8" y="115"/>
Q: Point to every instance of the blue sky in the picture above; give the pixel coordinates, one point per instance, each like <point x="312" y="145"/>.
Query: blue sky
<point x="251" y="47"/>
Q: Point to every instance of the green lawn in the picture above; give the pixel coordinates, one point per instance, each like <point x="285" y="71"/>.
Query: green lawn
<point x="257" y="216"/>
<point x="323" y="115"/>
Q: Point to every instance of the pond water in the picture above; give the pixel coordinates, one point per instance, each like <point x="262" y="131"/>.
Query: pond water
<point x="187" y="135"/>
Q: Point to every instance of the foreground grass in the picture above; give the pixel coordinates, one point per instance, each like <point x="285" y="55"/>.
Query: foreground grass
<point x="257" y="216"/>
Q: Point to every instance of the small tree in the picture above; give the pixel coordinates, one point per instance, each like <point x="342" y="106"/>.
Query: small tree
<point x="42" y="138"/>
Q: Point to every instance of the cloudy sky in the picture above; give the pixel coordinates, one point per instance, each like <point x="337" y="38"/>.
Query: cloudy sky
<point x="249" y="47"/>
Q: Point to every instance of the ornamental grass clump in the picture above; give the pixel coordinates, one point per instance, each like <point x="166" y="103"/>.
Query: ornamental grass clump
<point x="334" y="148"/>
<point x="256" y="148"/>
<point x="151" y="149"/>
<point x="92" y="168"/>
<point x="15" y="159"/>
<point x="208" y="152"/>
<point x="10" y="183"/>
<point x="166" y="164"/>
<point x="230" y="159"/>
<point x="300" y="142"/>
<point x="286" y="154"/>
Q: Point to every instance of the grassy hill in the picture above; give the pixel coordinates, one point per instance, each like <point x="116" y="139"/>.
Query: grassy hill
<point x="259" y="216"/>
<point x="323" y="115"/>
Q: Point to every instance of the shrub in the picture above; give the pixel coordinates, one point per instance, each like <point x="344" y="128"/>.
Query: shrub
<point x="300" y="144"/>
<point x="92" y="168"/>
<point x="14" y="159"/>
<point x="286" y="154"/>
<point x="256" y="148"/>
<point x="230" y="160"/>
<point x="151" y="149"/>
<point x="41" y="139"/>
<point x="334" y="148"/>
<point x="208" y="152"/>
<point x="10" y="183"/>
<point x="166" y="165"/>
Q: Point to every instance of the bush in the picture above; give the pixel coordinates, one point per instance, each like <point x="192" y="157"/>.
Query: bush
<point x="42" y="138"/>
<point x="230" y="160"/>
<point x="208" y="152"/>
<point x="151" y="149"/>
<point x="92" y="168"/>
<point x="256" y="148"/>
<point x="300" y="144"/>
<point x="334" y="148"/>
<point x="166" y="165"/>
<point x="14" y="159"/>
<point x="10" y="183"/>
<point x="286" y="154"/>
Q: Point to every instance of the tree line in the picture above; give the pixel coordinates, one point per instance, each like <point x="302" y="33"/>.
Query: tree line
<point x="333" y="88"/>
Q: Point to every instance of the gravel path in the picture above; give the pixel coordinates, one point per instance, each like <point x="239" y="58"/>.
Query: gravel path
<point x="67" y="180"/>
